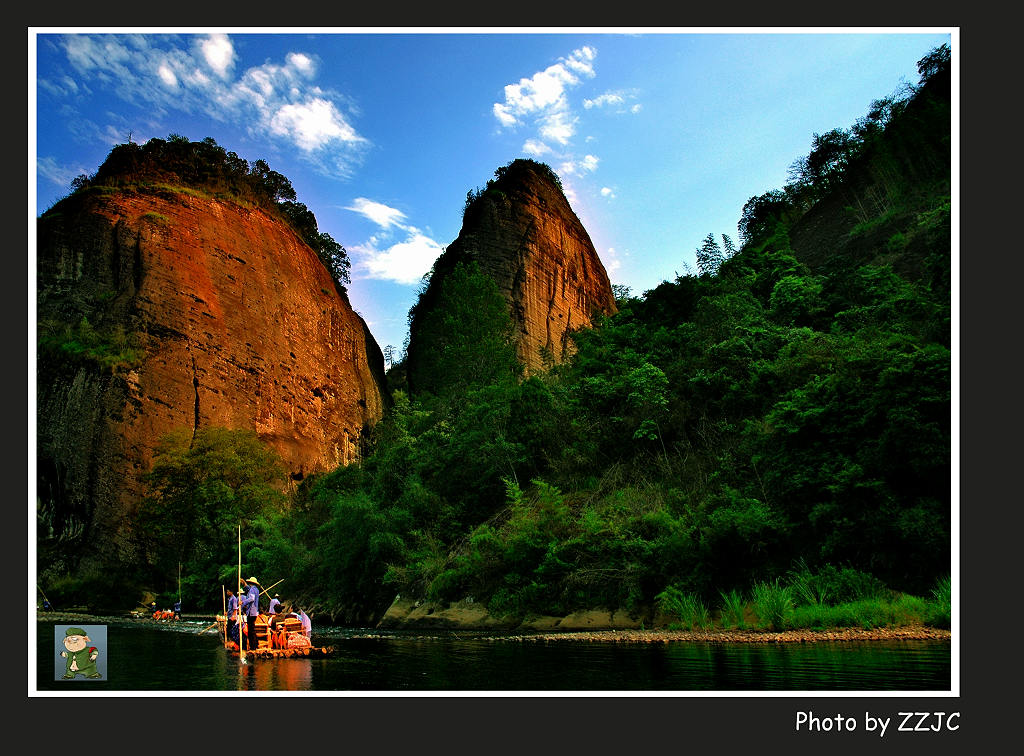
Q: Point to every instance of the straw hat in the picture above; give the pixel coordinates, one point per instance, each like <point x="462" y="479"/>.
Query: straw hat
<point x="253" y="580"/>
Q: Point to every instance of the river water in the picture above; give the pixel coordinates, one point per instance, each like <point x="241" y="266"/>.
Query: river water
<point x="140" y="655"/>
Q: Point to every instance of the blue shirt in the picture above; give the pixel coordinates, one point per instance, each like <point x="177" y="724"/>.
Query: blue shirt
<point x="307" y="625"/>
<point x="274" y="603"/>
<point x="251" y="602"/>
<point x="232" y="605"/>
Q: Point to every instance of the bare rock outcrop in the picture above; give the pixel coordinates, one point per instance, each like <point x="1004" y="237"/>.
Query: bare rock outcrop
<point x="209" y="313"/>
<point x="522" y="233"/>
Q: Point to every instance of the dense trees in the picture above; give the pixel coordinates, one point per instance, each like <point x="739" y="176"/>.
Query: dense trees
<point x="203" y="485"/>
<point x="465" y="337"/>
<point x="762" y="419"/>
<point x="712" y="433"/>
<point x="903" y="139"/>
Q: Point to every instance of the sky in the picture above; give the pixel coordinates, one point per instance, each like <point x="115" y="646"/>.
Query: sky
<point x="659" y="136"/>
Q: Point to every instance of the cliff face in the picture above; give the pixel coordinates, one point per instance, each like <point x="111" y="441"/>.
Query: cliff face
<point x="234" y="323"/>
<point x="522" y="233"/>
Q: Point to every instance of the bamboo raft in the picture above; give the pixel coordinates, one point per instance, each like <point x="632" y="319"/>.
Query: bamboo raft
<point x="311" y="652"/>
<point x="270" y="645"/>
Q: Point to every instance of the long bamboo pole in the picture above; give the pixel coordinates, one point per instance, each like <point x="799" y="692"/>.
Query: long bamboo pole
<point x="44" y="596"/>
<point x="241" y="650"/>
<point x="224" y="604"/>
<point x="265" y="590"/>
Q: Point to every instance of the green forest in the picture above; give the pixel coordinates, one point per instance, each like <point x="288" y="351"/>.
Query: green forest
<point x="770" y="431"/>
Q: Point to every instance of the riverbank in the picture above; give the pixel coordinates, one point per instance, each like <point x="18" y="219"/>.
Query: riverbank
<point x="597" y="635"/>
<point x="617" y="626"/>
<point x="87" y="618"/>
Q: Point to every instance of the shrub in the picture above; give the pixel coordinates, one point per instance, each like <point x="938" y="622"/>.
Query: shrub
<point x="112" y="348"/>
<point x="838" y="585"/>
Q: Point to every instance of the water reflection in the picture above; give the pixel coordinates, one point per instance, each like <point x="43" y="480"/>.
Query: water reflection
<point x="181" y="659"/>
<point x="275" y="674"/>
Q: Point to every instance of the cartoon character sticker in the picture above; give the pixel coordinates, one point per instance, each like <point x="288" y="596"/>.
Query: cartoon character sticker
<point x="80" y="657"/>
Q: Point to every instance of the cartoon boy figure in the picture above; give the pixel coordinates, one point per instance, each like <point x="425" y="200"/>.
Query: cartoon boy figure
<point x="81" y="657"/>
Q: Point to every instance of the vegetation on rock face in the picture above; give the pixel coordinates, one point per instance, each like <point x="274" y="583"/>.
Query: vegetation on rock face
<point x="177" y="163"/>
<point x="764" y="444"/>
<point x="467" y="337"/>
<point x="112" y="348"/>
<point x="503" y="176"/>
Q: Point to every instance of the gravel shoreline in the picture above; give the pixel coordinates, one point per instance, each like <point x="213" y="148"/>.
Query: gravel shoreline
<point x="712" y="636"/>
<point x="747" y="636"/>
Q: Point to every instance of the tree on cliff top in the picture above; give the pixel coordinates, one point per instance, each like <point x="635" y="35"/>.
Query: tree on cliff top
<point x="506" y="173"/>
<point x="207" y="165"/>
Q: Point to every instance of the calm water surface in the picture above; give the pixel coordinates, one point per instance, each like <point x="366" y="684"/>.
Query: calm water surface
<point x="143" y="656"/>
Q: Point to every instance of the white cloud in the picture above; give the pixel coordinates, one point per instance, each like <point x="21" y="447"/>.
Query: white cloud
<point x="541" y="103"/>
<point x="607" y="192"/>
<point x="405" y="262"/>
<point x="301" y="62"/>
<point x="313" y="124"/>
<point x="377" y="212"/>
<point x="611" y="260"/>
<point x="276" y="100"/>
<point x="558" y="127"/>
<point x="61" y="175"/>
<point x="219" y="53"/>
<point x="535" y="147"/>
<point x="62" y="87"/>
<point x="167" y="75"/>
<point x="543" y="95"/>
<point x="614" y="100"/>
<point x="199" y="79"/>
<point x="577" y="167"/>
<point x="609" y="98"/>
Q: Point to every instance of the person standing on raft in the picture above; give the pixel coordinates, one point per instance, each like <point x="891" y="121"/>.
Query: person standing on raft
<point x="251" y="608"/>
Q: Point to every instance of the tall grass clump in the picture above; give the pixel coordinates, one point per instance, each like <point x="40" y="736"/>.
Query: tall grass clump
<point x="733" y="608"/>
<point x="807" y="587"/>
<point x="939" y="611"/>
<point x="688" y="608"/>
<point x="773" y="604"/>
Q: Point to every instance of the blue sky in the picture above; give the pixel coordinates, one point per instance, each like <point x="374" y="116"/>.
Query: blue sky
<point x="659" y="136"/>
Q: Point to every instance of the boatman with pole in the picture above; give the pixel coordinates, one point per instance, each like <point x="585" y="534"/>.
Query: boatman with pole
<point x="251" y="608"/>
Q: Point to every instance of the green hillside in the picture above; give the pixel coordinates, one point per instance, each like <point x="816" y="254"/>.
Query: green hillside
<point x="779" y="417"/>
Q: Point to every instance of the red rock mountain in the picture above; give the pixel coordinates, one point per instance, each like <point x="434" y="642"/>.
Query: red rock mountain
<point x="236" y="323"/>
<point x="522" y="233"/>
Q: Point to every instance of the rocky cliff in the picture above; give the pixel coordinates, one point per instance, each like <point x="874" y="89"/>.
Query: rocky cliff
<point x="197" y="312"/>
<point x="522" y="232"/>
